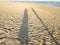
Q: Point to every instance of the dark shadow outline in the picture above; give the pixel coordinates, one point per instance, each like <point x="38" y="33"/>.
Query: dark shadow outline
<point x="45" y="27"/>
<point x="23" y="34"/>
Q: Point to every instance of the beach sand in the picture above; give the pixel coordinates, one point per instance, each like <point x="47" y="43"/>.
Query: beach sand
<point x="23" y="23"/>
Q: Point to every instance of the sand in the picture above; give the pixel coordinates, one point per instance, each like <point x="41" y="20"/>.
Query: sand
<point x="23" y="23"/>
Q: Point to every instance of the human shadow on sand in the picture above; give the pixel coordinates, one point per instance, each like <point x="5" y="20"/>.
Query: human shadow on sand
<point x="23" y="34"/>
<point x="45" y="27"/>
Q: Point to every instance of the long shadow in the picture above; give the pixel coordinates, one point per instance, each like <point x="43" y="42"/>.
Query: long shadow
<point x="45" y="27"/>
<point x="23" y="34"/>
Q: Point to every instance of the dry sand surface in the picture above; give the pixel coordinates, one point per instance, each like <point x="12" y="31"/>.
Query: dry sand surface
<point x="23" y="23"/>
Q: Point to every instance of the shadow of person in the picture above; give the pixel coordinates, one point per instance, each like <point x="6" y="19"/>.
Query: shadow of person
<point x="23" y="34"/>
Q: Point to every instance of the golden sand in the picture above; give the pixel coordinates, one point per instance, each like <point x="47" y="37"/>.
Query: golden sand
<point x="23" y="23"/>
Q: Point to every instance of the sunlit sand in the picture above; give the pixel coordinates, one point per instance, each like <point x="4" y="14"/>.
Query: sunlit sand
<point x="24" y="23"/>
